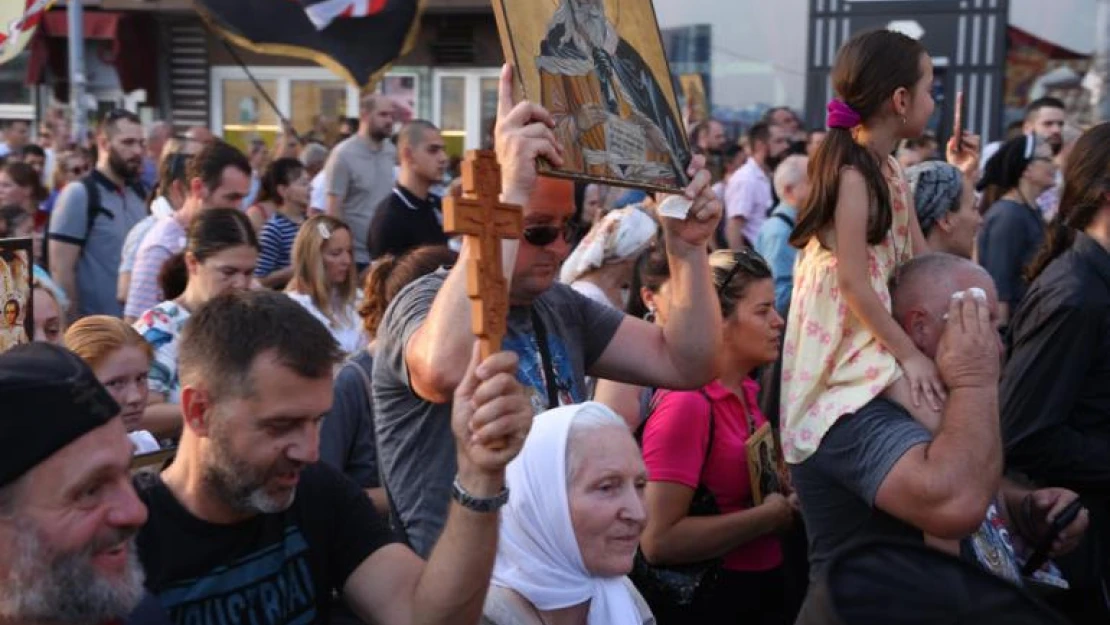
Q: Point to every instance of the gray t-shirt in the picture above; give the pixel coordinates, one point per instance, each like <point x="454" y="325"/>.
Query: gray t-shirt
<point x="99" y="261"/>
<point x="416" y="449"/>
<point x="362" y="177"/>
<point x="838" y="483"/>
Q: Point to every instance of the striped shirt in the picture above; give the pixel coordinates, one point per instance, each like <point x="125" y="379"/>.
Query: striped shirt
<point x="276" y="242"/>
<point x="165" y="238"/>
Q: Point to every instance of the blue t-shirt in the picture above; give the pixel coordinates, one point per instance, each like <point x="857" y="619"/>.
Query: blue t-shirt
<point x="276" y="242"/>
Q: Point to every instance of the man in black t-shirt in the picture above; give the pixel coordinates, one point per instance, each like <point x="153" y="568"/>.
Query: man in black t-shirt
<point x="411" y="215"/>
<point x="246" y="527"/>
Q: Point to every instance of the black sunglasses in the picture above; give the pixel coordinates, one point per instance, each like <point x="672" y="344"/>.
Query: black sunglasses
<point x="747" y="260"/>
<point x="542" y="236"/>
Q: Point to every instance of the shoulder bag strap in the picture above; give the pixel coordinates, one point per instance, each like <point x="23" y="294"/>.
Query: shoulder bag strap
<point x="709" y="446"/>
<point x="545" y="358"/>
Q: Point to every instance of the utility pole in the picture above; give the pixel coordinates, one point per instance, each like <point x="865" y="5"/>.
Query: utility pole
<point x="77" y="76"/>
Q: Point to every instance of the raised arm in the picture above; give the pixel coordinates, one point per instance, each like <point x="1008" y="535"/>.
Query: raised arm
<point x="683" y="354"/>
<point x="523" y="133"/>
<point x="944" y="487"/>
<point x="393" y="586"/>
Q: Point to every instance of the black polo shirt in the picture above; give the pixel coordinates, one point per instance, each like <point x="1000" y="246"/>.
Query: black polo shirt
<point x="403" y="222"/>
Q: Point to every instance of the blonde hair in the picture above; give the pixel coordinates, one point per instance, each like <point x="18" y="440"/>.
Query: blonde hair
<point x="95" y="337"/>
<point x="309" y="277"/>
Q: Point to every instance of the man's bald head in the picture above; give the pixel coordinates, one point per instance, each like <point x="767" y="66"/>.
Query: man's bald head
<point x="922" y="289"/>
<point x="551" y="196"/>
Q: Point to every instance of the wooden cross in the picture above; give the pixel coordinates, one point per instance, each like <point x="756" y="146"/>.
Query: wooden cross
<point x="484" y="220"/>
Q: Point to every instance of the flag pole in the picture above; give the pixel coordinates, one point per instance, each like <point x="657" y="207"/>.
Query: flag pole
<point x="286" y="124"/>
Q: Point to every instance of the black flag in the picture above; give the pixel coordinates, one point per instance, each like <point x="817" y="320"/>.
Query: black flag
<point x="357" y="39"/>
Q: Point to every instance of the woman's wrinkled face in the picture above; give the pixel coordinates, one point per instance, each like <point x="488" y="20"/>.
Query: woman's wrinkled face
<point x="606" y="494"/>
<point x="754" y="330"/>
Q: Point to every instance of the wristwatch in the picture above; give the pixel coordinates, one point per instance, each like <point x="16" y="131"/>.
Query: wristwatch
<point x="478" y="504"/>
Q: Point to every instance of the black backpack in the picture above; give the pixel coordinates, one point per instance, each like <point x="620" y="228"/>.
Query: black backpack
<point x="95" y="208"/>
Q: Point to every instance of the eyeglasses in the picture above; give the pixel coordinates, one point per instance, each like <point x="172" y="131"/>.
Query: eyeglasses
<point x="745" y="259"/>
<point x="542" y="236"/>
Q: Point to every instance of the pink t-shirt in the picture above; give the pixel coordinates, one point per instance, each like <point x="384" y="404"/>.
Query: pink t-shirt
<point x="674" y="447"/>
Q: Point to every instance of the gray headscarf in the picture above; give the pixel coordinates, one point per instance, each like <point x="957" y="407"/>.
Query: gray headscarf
<point x="936" y="188"/>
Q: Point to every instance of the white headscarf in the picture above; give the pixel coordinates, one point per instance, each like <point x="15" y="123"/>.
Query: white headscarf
<point x="537" y="552"/>
<point x="619" y="235"/>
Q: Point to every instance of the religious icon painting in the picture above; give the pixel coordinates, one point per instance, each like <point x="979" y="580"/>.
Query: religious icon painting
<point x="599" y="68"/>
<point x="693" y="96"/>
<point x="16" y="322"/>
<point x="765" y="464"/>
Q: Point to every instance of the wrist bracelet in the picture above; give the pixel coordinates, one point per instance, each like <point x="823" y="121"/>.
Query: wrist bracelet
<point x="478" y="504"/>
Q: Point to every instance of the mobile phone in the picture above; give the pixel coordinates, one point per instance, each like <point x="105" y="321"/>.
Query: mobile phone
<point x="958" y="122"/>
<point x="1040" y="554"/>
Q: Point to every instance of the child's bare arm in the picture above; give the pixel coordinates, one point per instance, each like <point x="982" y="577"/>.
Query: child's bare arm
<point x="855" y="286"/>
<point x="850" y="225"/>
<point x="917" y="237"/>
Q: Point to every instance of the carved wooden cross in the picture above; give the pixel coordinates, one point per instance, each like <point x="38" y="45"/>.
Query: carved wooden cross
<point x="485" y="221"/>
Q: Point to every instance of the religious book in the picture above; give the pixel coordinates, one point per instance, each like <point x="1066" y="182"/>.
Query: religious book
<point x="765" y="465"/>
<point x="16" y="275"/>
<point x="599" y="68"/>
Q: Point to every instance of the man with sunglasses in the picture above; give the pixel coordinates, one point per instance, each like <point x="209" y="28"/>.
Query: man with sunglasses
<point x="93" y="215"/>
<point x="559" y="335"/>
<point x="217" y="177"/>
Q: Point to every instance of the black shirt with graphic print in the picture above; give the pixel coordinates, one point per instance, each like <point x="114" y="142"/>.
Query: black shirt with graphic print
<point x="273" y="569"/>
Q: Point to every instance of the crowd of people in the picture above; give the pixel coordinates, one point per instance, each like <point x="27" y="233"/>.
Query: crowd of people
<point x="850" y="338"/>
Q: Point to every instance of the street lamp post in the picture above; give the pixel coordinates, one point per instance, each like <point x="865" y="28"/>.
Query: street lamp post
<point x="77" y="77"/>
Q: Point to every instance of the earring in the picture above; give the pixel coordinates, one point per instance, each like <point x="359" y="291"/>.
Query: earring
<point x="649" y="316"/>
<point x="903" y="120"/>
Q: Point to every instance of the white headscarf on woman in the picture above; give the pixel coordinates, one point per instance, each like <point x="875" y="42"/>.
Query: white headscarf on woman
<point x="537" y="552"/>
<point x="620" y="235"/>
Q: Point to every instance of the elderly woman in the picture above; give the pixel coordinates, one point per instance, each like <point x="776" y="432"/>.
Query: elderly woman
<point x="602" y="265"/>
<point x="570" y="529"/>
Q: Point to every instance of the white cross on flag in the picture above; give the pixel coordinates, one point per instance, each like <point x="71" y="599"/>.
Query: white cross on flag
<point x="323" y="12"/>
<point x="18" y="19"/>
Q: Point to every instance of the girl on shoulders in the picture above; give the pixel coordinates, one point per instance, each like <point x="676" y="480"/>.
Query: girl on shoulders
<point x="843" y="347"/>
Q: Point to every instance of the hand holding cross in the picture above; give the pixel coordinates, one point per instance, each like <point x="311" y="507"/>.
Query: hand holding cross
<point x="485" y="221"/>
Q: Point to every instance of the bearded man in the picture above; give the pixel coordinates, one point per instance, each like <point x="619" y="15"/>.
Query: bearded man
<point x="68" y="512"/>
<point x="93" y="215"/>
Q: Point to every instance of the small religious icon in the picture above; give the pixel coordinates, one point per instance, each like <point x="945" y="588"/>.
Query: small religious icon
<point x="765" y="464"/>
<point x="481" y="216"/>
<point x="599" y="68"/>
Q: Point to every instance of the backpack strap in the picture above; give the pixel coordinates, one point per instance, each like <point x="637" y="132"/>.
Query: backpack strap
<point x="786" y="219"/>
<point x="639" y="435"/>
<point x="94" y="209"/>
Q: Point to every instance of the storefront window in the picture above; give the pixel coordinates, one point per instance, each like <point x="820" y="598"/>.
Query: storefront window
<point x="315" y="108"/>
<point x="488" y="96"/>
<point x="452" y="113"/>
<point x="13" y="89"/>
<point x="246" y="114"/>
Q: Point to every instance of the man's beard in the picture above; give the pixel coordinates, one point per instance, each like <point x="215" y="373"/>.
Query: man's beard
<point x="240" y="485"/>
<point x="380" y="135"/>
<point x="43" y="585"/>
<point x="122" y="167"/>
<point x="772" y="162"/>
